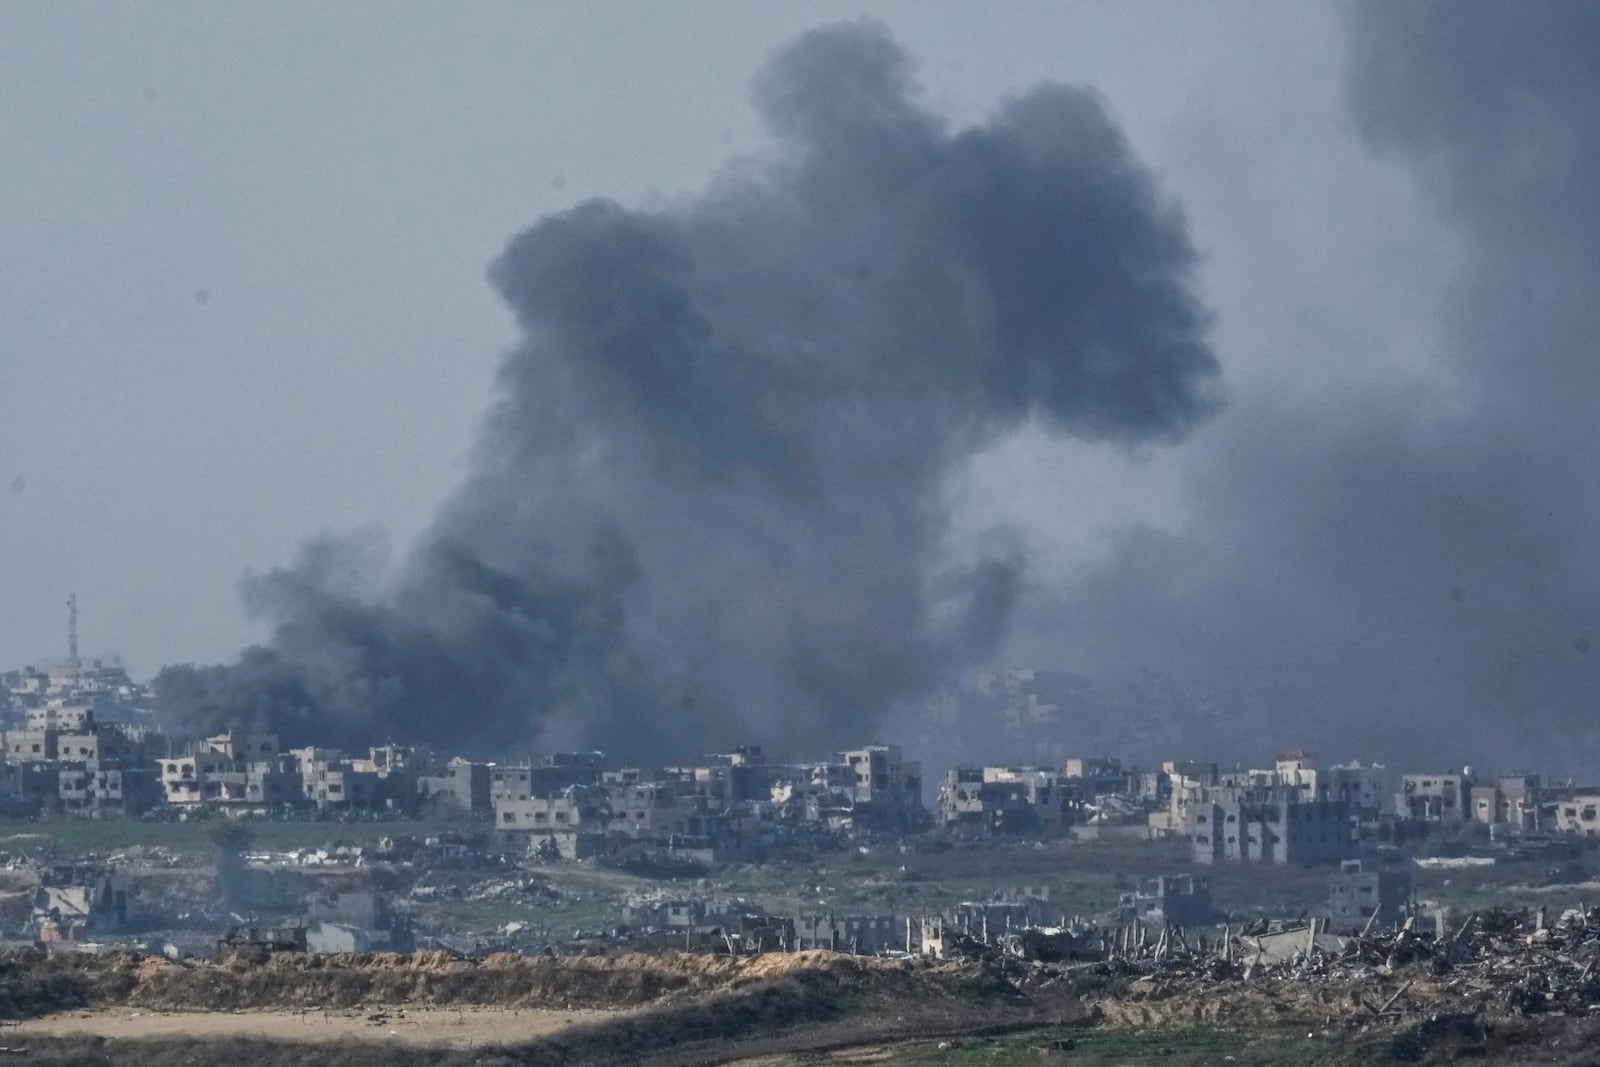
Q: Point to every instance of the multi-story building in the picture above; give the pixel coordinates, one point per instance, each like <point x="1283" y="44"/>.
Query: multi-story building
<point x="553" y="774"/>
<point x="887" y="790"/>
<point x="460" y="786"/>
<point x="103" y="689"/>
<point x="30" y="746"/>
<point x="62" y="715"/>
<point x="203" y="775"/>
<point x="1361" y="898"/>
<point x="1440" y="799"/>
<point x="866" y="935"/>
<point x="1512" y="802"/>
<point x="1175" y="900"/>
<point x="643" y="810"/>
<point x="1267" y="824"/>
<point x="414" y="761"/>
<point x="1187" y="782"/>
<point x="818" y="793"/>
<point x="328" y="779"/>
<point x="1364" y="788"/>
<point x="743" y="774"/>
<point x="1297" y="769"/>
<point x="108" y="788"/>
<point x="1004" y="800"/>
<point x="571" y="824"/>
<point x="1576" y="811"/>
<point x="107" y="770"/>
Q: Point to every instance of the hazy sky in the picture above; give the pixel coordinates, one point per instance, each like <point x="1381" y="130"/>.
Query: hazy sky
<point x="243" y="254"/>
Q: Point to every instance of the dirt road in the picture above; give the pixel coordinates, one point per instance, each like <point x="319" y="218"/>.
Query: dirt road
<point x="464" y="1028"/>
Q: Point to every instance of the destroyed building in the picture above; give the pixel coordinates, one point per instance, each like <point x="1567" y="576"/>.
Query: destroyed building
<point x="553" y="774"/>
<point x="1365" y="790"/>
<point x="1438" y="799"/>
<point x="571" y="822"/>
<point x="1576" y="811"/>
<point x="231" y="769"/>
<point x="64" y="759"/>
<point x="460" y="787"/>
<point x="109" y="788"/>
<point x="1362" y="898"/>
<point x="1004" y="800"/>
<point x="355" y="921"/>
<point x="864" y="935"/>
<point x="250" y="772"/>
<point x="887" y="791"/>
<point x="1089" y="779"/>
<point x="1511" y="802"/>
<point x="76" y="900"/>
<point x="819" y="793"/>
<point x="1187" y="782"/>
<point x="984" y="919"/>
<point x="1173" y="900"/>
<point x="1267" y="824"/>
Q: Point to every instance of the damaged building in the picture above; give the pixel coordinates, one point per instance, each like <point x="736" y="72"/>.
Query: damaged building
<point x="863" y="935"/>
<point x="1253" y="823"/>
<point x="75" y="901"/>
<point x="1005" y="800"/>
<point x="1362" y="898"/>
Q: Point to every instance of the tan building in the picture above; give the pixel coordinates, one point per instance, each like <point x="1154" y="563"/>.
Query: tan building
<point x="194" y="778"/>
<point x="1365" y="788"/>
<point x="30" y="746"/>
<point x="1442" y="799"/>
<point x="571" y="824"/>
<point x="1240" y="826"/>
<point x="1511" y="802"/>
<point x="1577" y="812"/>
<point x="1029" y="800"/>
<point x="887" y="789"/>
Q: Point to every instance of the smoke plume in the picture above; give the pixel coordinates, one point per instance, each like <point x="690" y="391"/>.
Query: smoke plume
<point x="1413" y="575"/>
<point x="706" y="503"/>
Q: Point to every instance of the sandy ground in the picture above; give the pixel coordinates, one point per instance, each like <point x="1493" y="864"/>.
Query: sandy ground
<point x="464" y="1028"/>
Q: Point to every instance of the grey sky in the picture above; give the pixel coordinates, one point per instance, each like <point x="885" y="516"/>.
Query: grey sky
<point x="242" y="256"/>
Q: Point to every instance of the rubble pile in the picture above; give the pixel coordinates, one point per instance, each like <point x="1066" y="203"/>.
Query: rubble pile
<point x="1521" y="960"/>
<point x="1495" y="964"/>
<point x="524" y="889"/>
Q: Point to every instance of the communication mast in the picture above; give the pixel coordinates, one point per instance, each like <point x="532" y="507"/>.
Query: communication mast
<point x="72" y="629"/>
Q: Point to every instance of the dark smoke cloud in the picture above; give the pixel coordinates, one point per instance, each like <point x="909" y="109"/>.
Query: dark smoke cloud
<point x="1414" y="575"/>
<point x="706" y="502"/>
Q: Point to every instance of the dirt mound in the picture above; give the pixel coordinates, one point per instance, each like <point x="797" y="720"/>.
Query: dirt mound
<point x="36" y="984"/>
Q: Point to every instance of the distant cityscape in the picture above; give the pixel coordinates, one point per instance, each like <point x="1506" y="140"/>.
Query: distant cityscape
<point x="81" y="739"/>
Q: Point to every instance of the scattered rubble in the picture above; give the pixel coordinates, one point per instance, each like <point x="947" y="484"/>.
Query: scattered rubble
<point x="1497" y="964"/>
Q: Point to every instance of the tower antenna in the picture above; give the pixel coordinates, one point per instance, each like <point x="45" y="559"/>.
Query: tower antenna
<point x="72" y="629"/>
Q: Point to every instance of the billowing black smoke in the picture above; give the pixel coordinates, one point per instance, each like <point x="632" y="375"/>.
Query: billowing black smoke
<point x="706" y="502"/>
<point x="1415" y="576"/>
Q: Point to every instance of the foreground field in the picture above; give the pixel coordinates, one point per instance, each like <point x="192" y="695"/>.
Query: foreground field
<point x="411" y="1012"/>
<point x="427" y="1027"/>
<point x="780" y="1010"/>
